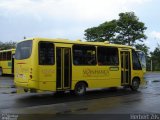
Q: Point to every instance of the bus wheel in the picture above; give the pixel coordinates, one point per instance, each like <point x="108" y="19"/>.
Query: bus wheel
<point x="33" y="90"/>
<point x="135" y="84"/>
<point x="72" y="92"/>
<point x="113" y="89"/>
<point x="25" y="90"/>
<point x="60" y="92"/>
<point x="1" y="72"/>
<point x="80" y="89"/>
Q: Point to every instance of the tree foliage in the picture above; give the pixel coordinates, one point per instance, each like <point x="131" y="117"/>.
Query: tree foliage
<point x="143" y="48"/>
<point x="155" y="56"/>
<point x="126" y="30"/>
<point x="103" y="32"/>
<point x="7" y="45"/>
<point x="130" y="28"/>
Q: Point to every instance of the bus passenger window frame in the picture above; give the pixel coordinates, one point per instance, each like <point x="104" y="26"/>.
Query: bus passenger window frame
<point x="4" y="56"/>
<point x="85" y="52"/>
<point x="9" y="55"/>
<point x="46" y="54"/>
<point x="105" y="55"/>
<point x="1" y="57"/>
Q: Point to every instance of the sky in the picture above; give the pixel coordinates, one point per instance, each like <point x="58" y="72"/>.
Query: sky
<point x="69" y="18"/>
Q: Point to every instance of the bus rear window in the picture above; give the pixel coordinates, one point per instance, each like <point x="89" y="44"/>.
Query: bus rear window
<point x="23" y="50"/>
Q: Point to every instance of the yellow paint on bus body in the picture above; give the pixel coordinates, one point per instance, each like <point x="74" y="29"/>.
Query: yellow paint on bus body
<point x="30" y="74"/>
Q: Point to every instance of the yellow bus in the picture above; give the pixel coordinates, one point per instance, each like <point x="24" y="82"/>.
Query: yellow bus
<point x="7" y="61"/>
<point x="64" y="65"/>
<point x="142" y="58"/>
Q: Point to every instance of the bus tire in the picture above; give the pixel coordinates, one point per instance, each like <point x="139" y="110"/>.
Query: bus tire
<point x="113" y="89"/>
<point x="60" y="92"/>
<point x="80" y="89"/>
<point x="25" y="90"/>
<point x="1" y="72"/>
<point x="135" y="84"/>
<point x="33" y="91"/>
<point x="72" y="92"/>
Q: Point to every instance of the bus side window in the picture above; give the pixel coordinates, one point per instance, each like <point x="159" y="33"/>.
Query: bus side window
<point x="4" y="56"/>
<point x="136" y="62"/>
<point x="107" y="55"/>
<point x="46" y="53"/>
<point x="84" y="55"/>
<point x="9" y="55"/>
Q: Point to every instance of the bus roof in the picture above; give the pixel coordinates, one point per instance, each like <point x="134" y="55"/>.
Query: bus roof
<point x="139" y="50"/>
<point x="7" y="50"/>
<point x="59" y="40"/>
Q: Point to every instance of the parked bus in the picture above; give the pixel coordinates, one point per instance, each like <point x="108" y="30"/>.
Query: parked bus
<point x="7" y="61"/>
<point x="142" y="58"/>
<point x="63" y="65"/>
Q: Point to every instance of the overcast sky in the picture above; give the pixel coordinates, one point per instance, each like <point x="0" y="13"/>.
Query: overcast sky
<point x="69" y="18"/>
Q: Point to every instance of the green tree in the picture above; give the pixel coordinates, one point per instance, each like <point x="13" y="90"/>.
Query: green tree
<point x="143" y="48"/>
<point x="126" y="30"/>
<point x="130" y="29"/>
<point x="155" y="58"/>
<point x="105" y="31"/>
<point x="93" y="34"/>
<point x="7" y="45"/>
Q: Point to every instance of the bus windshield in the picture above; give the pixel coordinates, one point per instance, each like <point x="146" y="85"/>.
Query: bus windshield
<point x="142" y="58"/>
<point x="23" y="50"/>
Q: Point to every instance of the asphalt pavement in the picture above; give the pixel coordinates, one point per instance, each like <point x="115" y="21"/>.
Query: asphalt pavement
<point x="101" y="103"/>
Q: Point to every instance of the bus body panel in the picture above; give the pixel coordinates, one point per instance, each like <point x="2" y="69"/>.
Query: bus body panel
<point x="139" y="74"/>
<point x="96" y="76"/>
<point x="26" y="71"/>
<point x="7" y="64"/>
<point x="6" y="67"/>
<point x="23" y="71"/>
<point x="46" y="78"/>
<point x="47" y="75"/>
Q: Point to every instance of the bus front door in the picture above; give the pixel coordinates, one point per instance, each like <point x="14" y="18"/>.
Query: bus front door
<point x="125" y="68"/>
<point x="63" y="70"/>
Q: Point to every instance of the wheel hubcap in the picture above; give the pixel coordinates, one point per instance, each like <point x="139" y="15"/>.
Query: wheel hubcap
<point x="80" y="89"/>
<point x="135" y="84"/>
